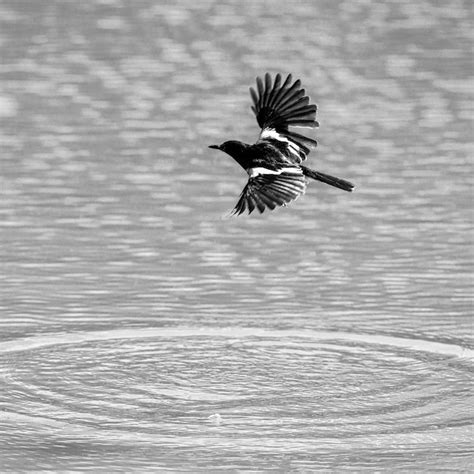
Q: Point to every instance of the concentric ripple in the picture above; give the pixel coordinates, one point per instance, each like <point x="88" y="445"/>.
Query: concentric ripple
<point x="284" y="392"/>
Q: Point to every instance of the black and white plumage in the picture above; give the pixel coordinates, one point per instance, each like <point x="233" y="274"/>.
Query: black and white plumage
<point x="274" y="162"/>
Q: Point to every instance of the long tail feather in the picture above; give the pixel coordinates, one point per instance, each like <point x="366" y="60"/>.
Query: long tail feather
<point x="328" y="179"/>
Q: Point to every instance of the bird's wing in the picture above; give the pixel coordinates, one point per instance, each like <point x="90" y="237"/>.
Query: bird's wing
<point x="278" y="106"/>
<point x="270" y="189"/>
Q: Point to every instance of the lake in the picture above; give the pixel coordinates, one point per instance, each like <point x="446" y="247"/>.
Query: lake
<point x="143" y="329"/>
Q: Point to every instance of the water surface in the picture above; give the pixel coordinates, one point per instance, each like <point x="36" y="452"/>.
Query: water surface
<point x="332" y="334"/>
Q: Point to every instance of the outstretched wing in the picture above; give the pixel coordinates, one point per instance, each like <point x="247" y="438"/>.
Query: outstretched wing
<point x="270" y="189"/>
<point x="278" y="106"/>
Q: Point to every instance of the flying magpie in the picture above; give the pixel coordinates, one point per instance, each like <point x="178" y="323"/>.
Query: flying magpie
<point x="274" y="162"/>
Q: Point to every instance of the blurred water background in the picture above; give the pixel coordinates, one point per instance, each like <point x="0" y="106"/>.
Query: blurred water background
<point x="140" y="329"/>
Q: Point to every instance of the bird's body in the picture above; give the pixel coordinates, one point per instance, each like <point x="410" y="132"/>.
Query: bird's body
<point x="274" y="162"/>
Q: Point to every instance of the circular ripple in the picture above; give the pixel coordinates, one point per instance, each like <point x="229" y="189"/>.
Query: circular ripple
<point x="274" y="390"/>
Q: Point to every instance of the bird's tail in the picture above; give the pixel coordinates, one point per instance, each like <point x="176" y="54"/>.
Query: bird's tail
<point x="326" y="178"/>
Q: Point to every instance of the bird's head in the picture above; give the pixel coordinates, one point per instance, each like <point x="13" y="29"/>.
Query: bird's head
<point x="233" y="148"/>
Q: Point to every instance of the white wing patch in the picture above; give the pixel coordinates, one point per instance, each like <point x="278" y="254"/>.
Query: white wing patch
<point x="270" y="133"/>
<point x="260" y="170"/>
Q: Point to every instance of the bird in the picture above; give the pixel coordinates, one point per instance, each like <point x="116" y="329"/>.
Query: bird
<point x="274" y="163"/>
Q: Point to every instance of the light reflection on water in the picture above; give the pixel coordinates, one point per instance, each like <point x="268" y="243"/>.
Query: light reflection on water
<point x="113" y="218"/>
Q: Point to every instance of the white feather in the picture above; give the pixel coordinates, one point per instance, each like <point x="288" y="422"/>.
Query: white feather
<point x="261" y="170"/>
<point x="273" y="134"/>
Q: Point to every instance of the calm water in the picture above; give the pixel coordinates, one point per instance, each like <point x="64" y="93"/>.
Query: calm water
<point x="142" y="329"/>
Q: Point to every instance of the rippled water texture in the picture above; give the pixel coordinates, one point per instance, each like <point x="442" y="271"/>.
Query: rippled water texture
<point x="142" y="329"/>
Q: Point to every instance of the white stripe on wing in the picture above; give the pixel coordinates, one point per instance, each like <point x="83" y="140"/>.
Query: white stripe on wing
<point x="261" y="170"/>
<point x="273" y="134"/>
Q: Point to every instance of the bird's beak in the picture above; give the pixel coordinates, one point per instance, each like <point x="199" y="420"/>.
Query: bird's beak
<point x="217" y="147"/>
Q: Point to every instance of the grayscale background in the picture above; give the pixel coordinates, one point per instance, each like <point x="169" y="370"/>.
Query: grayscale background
<point x="142" y="329"/>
